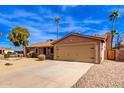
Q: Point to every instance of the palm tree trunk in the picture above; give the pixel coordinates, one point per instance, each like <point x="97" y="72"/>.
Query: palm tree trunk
<point x="112" y="33"/>
<point x="57" y="30"/>
<point x="112" y="41"/>
<point x="112" y="25"/>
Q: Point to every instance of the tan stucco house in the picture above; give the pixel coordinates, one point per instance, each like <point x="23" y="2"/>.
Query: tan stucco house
<point x="76" y="47"/>
<point x="41" y="48"/>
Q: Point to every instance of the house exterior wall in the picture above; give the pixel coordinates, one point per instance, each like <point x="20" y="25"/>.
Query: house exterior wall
<point x="102" y="48"/>
<point x="75" y="39"/>
<point x="98" y="52"/>
<point x="38" y="50"/>
<point x="49" y="54"/>
<point x="119" y="55"/>
<point x="108" y="41"/>
<point x="2" y="51"/>
<point x="108" y="44"/>
<point x="78" y="40"/>
<point x="5" y="51"/>
<point x="102" y="51"/>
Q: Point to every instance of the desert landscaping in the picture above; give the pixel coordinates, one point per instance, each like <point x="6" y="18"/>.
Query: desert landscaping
<point x="109" y="74"/>
<point x="30" y="73"/>
<point x="16" y="63"/>
<point x="63" y="51"/>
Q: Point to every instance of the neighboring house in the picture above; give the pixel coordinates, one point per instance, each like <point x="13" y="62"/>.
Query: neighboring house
<point x="6" y="50"/>
<point x="41" y="48"/>
<point x="76" y="47"/>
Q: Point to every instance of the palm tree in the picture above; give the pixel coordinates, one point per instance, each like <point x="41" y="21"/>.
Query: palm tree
<point x="114" y="16"/>
<point x="57" y="20"/>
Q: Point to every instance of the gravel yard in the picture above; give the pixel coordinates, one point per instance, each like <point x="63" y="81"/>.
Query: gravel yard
<point x="108" y="74"/>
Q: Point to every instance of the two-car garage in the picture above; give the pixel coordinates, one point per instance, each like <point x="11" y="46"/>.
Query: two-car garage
<point x="76" y="52"/>
<point x="75" y="47"/>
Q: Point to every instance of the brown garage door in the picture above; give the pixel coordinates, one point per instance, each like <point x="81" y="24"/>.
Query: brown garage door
<point x="84" y="53"/>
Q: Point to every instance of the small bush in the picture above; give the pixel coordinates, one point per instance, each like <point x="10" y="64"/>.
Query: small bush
<point x="41" y="57"/>
<point x="8" y="64"/>
<point x="6" y="55"/>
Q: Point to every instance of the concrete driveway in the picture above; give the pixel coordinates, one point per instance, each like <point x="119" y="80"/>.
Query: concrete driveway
<point x="49" y="74"/>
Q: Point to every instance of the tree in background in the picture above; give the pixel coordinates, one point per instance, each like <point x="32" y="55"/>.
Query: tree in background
<point x="19" y="36"/>
<point x="57" y="20"/>
<point x="1" y="33"/>
<point x="50" y="40"/>
<point x="114" y="16"/>
<point x="119" y="41"/>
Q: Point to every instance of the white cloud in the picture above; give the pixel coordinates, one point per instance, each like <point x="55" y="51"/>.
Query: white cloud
<point x="41" y="38"/>
<point x="65" y="7"/>
<point x="41" y="26"/>
<point x="4" y="21"/>
<point x="101" y="31"/>
<point x="75" y="29"/>
<point x="22" y="13"/>
<point x="89" y="20"/>
<point x="48" y="13"/>
<point x="93" y="21"/>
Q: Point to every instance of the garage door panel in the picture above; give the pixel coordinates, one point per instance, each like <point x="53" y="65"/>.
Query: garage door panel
<point x="76" y="53"/>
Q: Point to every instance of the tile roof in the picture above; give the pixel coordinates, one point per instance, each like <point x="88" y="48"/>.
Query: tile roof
<point x="101" y="36"/>
<point x="51" y="43"/>
<point x="97" y="37"/>
<point x="42" y="44"/>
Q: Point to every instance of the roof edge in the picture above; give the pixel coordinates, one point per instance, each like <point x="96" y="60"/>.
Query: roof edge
<point x="87" y="36"/>
<point x="35" y="44"/>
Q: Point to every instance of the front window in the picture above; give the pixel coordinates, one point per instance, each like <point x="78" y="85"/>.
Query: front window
<point x="36" y="50"/>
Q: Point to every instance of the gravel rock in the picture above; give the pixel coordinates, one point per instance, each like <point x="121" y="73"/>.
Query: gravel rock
<point x="109" y="74"/>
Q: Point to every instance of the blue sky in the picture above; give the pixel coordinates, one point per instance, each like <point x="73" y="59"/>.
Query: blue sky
<point x="39" y="20"/>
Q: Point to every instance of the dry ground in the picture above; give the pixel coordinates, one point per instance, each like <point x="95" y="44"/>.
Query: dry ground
<point x="29" y="73"/>
<point x="17" y="64"/>
<point x="108" y="74"/>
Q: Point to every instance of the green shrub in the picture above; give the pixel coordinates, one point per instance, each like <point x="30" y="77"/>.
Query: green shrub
<point x="6" y="55"/>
